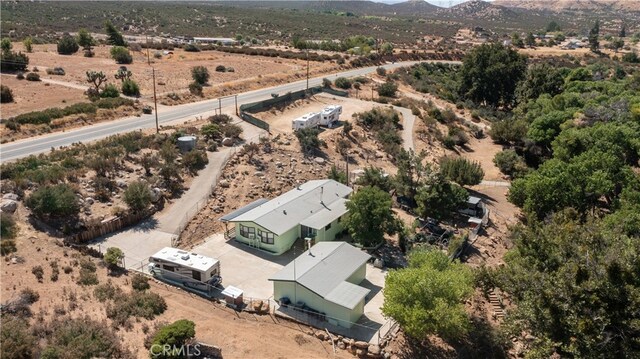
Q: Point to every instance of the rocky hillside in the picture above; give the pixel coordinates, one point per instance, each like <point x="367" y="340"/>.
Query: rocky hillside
<point x="573" y="5"/>
<point x="478" y="9"/>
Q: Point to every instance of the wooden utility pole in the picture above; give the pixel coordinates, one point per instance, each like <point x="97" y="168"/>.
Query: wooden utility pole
<point x="155" y="99"/>
<point x="148" y="58"/>
<point x="236" y="97"/>
<point x="307" y="51"/>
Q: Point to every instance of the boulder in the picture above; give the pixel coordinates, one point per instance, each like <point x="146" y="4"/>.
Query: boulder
<point x="361" y="345"/>
<point x="321" y="335"/>
<point x="224" y="183"/>
<point x="374" y="349"/>
<point x="361" y="352"/>
<point x="8" y="206"/>
<point x="227" y="141"/>
<point x="11" y="196"/>
<point x="341" y="345"/>
<point x="319" y="160"/>
<point x="89" y="200"/>
<point x="121" y="183"/>
<point x="156" y="193"/>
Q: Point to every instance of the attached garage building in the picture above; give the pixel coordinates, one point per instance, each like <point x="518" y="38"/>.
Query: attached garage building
<point x="326" y="279"/>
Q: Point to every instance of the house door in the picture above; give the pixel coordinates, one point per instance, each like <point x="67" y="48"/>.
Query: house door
<point x="307" y="232"/>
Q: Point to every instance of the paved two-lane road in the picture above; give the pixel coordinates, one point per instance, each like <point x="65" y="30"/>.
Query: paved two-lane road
<point x="30" y="146"/>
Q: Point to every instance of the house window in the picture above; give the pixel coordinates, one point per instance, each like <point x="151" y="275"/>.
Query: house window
<point x="196" y="275"/>
<point x="265" y="237"/>
<point x="327" y="227"/>
<point x="247" y="232"/>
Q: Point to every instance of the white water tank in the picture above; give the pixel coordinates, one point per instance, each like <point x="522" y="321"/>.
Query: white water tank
<point x="186" y="143"/>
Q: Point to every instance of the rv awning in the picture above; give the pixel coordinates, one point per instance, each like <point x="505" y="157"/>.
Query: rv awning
<point x="243" y="210"/>
<point x="327" y="215"/>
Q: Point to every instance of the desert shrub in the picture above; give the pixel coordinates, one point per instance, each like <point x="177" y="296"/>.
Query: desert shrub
<point x="221" y="119"/>
<point x="631" y="57"/>
<point x="458" y="136"/>
<point x="194" y="161"/>
<point x="195" y="88"/>
<point x="461" y="171"/>
<point x="55" y="270"/>
<point x="510" y="163"/>
<point x="7" y="246"/>
<point x="130" y="88"/>
<point x="221" y="68"/>
<point x="137" y="196"/>
<point x="67" y="269"/>
<point x="12" y="61"/>
<point x="137" y="304"/>
<point x="53" y="201"/>
<point x="16" y="340"/>
<point x="107" y="291"/>
<point x="139" y="282"/>
<point x="87" y="277"/>
<point x="121" y="55"/>
<point x="326" y="83"/>
<point x="29" y="295"/>
<point x="231" y="69"/>
<point x="68" y="45"/>
<point x="388" y="89"/>
<point x="309" y="140"/>
<point x="112" y="102"/>
<point x="174" y="335"/>
<point x="20" y="75"/>
<point x="32" y="76"/>
<point x="343" y="83"/>
<point x="90" y="338"/>
<point x="381" y="71"/>
<point x="59" y="71"/>
<point x="191" y="48"/>
<point x="113" y="257"/>
<point x="6" y="95"/>
<point x="110" y="91"/>
<point x="232" y="130"/>
<point x="200" y="75"/>
<point x="157" y="55"/>
<point x="38" y="272"/>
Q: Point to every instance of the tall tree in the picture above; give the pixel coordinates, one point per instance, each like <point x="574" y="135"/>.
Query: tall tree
<point x="114" y="37"/>
<point x="623" y="31"/>
<point x="461" y="171"/>
<point x="594" y="43"/>
<point x="490" y="74"/>
<point x="439" y="197"/>
<point x="428" y="296"/>
<point x="530" y="40"/>
<point x="370" y="216"/>
<point x="540" y="79"/>
<point x="576" y="288"/>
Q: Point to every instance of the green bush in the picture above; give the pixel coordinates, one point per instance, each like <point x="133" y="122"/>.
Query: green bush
<point x="110" y="91"/>
<point x="388" y="89"/>
<point x="11" y="61"/>
<point x="194" y="161"/>
<point x="195" y="88"/>
<point x="381" y="71"/>
<point x="113" y="257"/>
<point x="461" y="171"/>
<point x="140" y="282"/>
<point x="6" y="95"/>
<point x="175" y="335"/>
<point x="59" y="71"/>
<point x="510" y="163"/>
<point x="200" y="74"/>
<point x="121" y="55"/>
<point x="231" y="130"/>
<point x="32" y="76"/>
<point x="107" y="291"/>
<point x="137" y="304"/>
<point x="38" y="272"/>
<point x="67" y="45"/>
<point x="112" y="102"/>
<point x="631" y="57"/>
<point x="309" y="140"/>
<point x="191" y="48"/>
<point x="83" y="336"/>
<point x="130" y="88"/>
<point x="343" y="83"/>
<point x="53" y="201"/>
<point x="7" y="246"/>
<point x="137" y="196"/>
<point x="326" y="83"/>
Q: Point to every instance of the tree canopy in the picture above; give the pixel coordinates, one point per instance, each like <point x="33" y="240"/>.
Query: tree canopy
<point x="370" y="216"/>
<point x="428" y="296"/>
<point x="114" y="37"/>
<point x="490" y="74"/>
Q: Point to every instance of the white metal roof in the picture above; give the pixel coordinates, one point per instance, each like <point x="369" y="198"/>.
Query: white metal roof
<point x="186" y="259"/>
<point x="324" y="270"/>
<point x="327" y="215"/>
<point x="291" y="208"/>
<point x="473" y="200"/>
<point x="232" y="292"/>
<point x="307" y="117"/>
<point x="331" y="109"/>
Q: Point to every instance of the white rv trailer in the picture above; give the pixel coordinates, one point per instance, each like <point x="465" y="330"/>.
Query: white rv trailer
<point x="309" y="120"/>
<point x="190" y="270"/>
<point x="330" y="115"/>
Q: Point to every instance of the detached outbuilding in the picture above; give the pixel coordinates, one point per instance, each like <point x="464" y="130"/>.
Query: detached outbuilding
<point x="325" y="280"/>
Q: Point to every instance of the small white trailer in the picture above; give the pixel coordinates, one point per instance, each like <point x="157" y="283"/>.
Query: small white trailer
<point x="191" y="271"/>
<point x="330" y="115"/>
<point x="310" y="120"/>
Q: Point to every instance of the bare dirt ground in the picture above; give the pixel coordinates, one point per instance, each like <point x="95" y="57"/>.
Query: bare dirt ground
<point x="37" y="95"/>
<point x="239" y="335"/>
<point x="173" y="71"/>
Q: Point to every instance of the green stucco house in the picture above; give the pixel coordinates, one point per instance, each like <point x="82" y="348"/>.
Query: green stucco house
<point x="326" y="279"/>
<point x="312" y="210"/>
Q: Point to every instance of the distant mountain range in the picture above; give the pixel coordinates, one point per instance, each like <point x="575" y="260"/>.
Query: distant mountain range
<point x="575" y="5"/>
